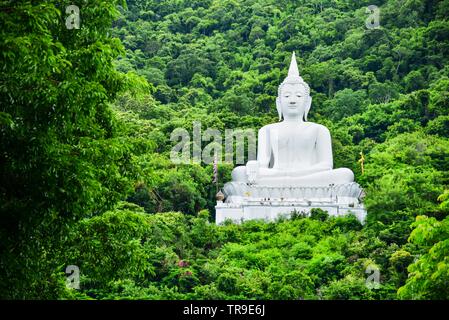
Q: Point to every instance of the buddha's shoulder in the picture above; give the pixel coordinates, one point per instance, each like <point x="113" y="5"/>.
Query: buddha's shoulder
<point x="270" y="126"/>
<point x="318" y="126"/>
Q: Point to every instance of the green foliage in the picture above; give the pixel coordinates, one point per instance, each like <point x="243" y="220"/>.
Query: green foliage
<point x="348" y="288"/>
<point x="57" y="126"/>
<point x="318" y="214"/>
<point x="429" y="274"/>
<point x="85" y="122"/>
<point x="125" y="253"/>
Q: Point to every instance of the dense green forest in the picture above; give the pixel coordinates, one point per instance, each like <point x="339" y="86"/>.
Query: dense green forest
<point x="86" y="117"/>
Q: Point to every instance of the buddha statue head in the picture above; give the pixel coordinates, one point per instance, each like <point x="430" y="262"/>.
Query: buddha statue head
<point x="294" y="100"/>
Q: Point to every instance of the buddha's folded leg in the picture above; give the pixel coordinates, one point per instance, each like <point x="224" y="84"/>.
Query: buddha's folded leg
<point x="240" y="174"/>
<point x="268" y="172"/>
<point x="322" y="178"/>
<point x="325" y="178"/>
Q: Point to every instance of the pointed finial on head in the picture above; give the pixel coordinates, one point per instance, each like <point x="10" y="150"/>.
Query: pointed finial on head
<point x="293" y="70"/>
<point x="293" y="76"/>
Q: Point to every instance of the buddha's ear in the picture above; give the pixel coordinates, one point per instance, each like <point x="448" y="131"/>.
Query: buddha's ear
<point x="278" y="108"/>
<point x="307" y="109"/>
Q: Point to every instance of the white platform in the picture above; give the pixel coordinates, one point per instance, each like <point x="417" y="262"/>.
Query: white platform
<point x="247" y="202"/>
<point x="271" y="210"/>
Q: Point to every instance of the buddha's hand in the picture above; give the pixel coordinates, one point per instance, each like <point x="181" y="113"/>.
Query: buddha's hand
<point x="252" y="170"/>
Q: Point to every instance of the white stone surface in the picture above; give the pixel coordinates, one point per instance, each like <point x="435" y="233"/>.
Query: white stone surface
<point x="271" y="211"/>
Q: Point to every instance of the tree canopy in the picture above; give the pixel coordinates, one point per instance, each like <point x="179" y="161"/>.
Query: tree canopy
<point x="86" y="117"/>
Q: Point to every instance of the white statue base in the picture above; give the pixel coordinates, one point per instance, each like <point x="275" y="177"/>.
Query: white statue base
<point x="248" y="202"/>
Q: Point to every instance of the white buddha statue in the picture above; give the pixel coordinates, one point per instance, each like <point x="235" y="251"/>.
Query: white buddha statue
<point x="293" y="152"/>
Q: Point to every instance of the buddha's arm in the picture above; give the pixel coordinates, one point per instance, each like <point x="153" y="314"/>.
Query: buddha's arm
<point x="324" y="149"/>
<point x="263" y="149"/>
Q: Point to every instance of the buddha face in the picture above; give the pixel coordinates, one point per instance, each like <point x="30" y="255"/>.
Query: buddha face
<point x="293" y="101"/>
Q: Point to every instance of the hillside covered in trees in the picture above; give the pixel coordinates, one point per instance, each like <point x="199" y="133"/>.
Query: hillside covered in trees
<point x="86" y="117"/>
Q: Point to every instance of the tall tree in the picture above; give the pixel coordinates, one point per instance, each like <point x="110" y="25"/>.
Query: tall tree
<point x="61" y="158"/>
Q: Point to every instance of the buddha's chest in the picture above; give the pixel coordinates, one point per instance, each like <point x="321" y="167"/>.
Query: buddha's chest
<point x="291" y="139"/>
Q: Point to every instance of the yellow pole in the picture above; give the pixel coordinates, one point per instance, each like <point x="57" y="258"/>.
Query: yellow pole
<point x="361" y="161"/>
